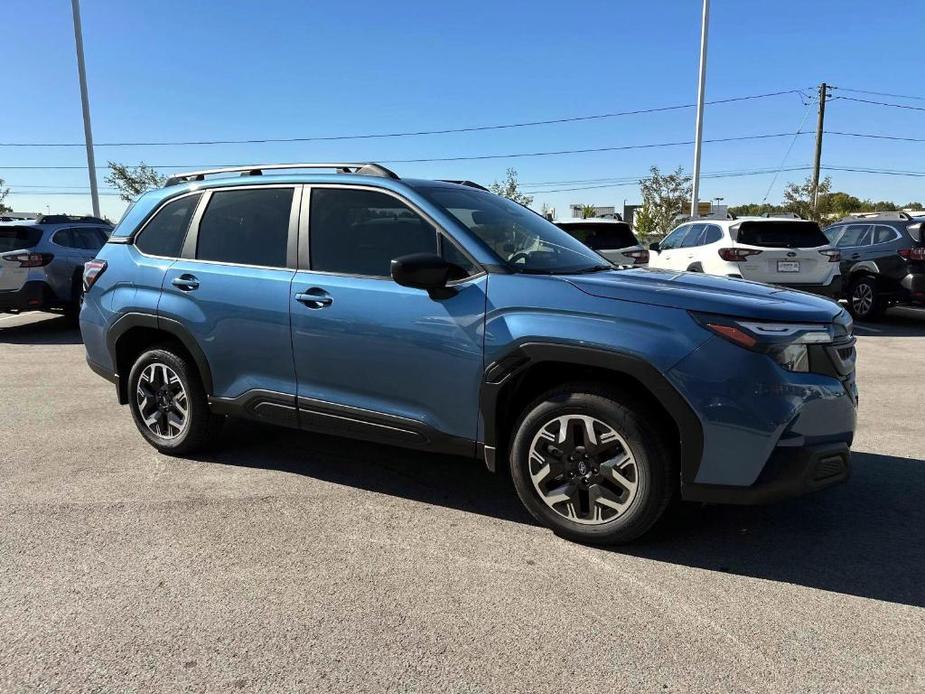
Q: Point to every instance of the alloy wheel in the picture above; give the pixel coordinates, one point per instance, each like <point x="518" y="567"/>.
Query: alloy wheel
<point x="862" y="298"/>
<point x="583" y="469"/>
<point x="162" y="401"/>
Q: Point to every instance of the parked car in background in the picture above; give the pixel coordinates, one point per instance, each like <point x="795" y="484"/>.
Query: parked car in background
<point x="611" y="238"/>
<point x="442" y="317"/>
<point x="883" y="261"/>
<point x="788" y="252"/>
<point x="42" y="261"/>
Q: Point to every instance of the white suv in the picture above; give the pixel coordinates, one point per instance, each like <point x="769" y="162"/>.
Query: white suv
<point x="789" y="252"/>
<point x="610" y="238"/>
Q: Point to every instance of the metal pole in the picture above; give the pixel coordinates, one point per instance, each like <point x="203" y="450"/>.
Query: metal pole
<point x="817" y="162"/>
<point x="85" y="104"/>
<point x="701" y="87"/>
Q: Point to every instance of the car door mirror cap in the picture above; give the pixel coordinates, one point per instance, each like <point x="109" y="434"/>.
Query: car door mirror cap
<point x="427" y="271"/>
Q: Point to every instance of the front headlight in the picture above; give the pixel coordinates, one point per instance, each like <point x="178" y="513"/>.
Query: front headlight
<point x="785" y="343"/>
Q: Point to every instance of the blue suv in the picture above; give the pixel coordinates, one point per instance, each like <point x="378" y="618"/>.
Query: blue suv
<point x="344" y="300"/>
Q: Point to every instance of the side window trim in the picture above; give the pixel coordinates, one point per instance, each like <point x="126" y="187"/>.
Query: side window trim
<point x="192" y="235"/>
<point x="304" y="235"/>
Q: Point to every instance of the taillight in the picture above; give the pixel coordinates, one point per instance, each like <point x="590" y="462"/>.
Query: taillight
<point x="833" y="255"/>
<point x="639" y="257"/>
<point x="736" y="255"/>
<point x="30" y="259"/>
<point x="917" y="253"/>
<point x="92" y="271"/>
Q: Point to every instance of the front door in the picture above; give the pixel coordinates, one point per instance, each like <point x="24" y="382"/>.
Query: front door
<point x="374" y="359"/>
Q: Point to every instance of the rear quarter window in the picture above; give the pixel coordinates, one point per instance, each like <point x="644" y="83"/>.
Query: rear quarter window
<point x="17" y="238"/>
<point x="781" y="234"/>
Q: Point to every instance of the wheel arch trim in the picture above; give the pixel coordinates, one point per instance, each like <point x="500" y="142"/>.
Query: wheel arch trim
<point x="498" y="374"/>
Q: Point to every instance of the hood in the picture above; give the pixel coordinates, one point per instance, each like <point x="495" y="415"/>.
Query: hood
<point x="694" y="291"/>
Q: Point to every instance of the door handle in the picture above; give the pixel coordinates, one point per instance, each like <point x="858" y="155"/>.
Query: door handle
<point x="855" y="256"/>
<point x="185" y="282"/>
<point x="314" y="298"/>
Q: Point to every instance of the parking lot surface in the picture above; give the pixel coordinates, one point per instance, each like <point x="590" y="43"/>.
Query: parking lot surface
<point x="287" y="561"/>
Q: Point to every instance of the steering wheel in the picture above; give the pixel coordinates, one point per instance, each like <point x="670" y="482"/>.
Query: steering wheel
<point x="520" y="255"/>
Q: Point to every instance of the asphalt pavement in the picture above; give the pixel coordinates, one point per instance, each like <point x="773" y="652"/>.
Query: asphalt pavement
<point x="287" y="561"/>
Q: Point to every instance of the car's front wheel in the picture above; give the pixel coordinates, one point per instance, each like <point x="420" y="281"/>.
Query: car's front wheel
<point x="168" y="402"/>
<point x="588" y="464"/>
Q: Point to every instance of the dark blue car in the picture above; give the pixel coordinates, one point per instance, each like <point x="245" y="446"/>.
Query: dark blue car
<point x="435" y="315"/>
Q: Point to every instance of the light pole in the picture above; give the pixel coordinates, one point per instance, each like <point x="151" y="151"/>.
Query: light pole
<point x="701" y="86"/>
<point x="85" y="105"/>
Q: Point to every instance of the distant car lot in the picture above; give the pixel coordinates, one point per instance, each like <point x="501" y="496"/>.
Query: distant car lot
<point x="124" y="569"/>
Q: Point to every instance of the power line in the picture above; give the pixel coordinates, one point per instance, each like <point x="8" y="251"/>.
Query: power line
<point x="477" y="157"/>
<point x="787" y="153"/>
<point x="413" y="133"/>
<point x="898" y="138"/>
<point x="879" y="103"/>
<point x="894" y="96"/>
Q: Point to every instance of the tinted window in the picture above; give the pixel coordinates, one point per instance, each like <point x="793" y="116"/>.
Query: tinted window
<point x="165" y="233"/>
<point x="675" y="238"/>
<point x="884" y="234"/>
<point x="832" y="233"/>
<point x="359" y="232"/>
<point x="694" y="236"/>
<point x="783" y="234"/>
<point x="452" y="254"/>
<point x="602" y="237"/>
<point x="712" y="234"/>
<point x="17" y="238"/>
<point x="855" y="235"/>
<point x="84" y="238"/>
<point x="247" y="227"/>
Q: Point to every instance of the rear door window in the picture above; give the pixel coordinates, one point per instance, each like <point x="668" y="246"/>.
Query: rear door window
<point x="18" y="238"/>
<point x="602" y="237"/>
<point x="165" y="233"/>
<point x="855" y="235"/>
<point x="781" y="234"/>
<point x="246" y="227"/>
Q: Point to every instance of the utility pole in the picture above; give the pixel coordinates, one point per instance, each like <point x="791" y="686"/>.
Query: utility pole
<point x="820" y="123"/>
<point x="85" y="105"/>
<point x="701" y="86"/>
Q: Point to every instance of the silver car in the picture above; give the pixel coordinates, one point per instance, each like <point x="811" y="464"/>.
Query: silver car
<point x="610" y="238"/>
<point x="42" y="260"/>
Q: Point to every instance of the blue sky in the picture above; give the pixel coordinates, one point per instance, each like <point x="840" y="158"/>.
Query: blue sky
<point x="175" y="70"/>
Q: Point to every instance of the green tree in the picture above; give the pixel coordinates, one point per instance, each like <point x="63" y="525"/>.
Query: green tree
<point x="510" y="188"/>
<point x="798" y="198"/>
<point x="588" y="211"/>
<point x="663" y="198"/>
<point x="132" y="181"/>
<point x="3" y="193"/>
<point x="755" y="209"/>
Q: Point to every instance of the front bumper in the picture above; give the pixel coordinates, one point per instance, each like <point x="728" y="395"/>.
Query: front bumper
<point x="789" y="472"/>
<point x="31" y="296"/>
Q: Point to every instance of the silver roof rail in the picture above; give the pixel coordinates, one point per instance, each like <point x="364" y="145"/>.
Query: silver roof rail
<point x="363" y="168"/>
<point x="891" y="214"/>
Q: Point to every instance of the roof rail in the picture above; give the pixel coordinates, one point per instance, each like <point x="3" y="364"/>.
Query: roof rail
<point x="471" y="184"/>
<point x="890" y="214"/>
<point x="781" y="215"/>
<point x="366" y="169"/>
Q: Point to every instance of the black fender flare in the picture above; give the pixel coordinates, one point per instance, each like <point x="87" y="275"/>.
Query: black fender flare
<point x="695" y="267"/>
<point x="165" y="325"/>
<point x="527" y="354"/>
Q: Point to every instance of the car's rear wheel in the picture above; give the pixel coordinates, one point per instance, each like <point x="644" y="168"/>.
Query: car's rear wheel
<point x="588" y="464"/>
<point x="864" y="303"/>
<point x="168" y="403"/>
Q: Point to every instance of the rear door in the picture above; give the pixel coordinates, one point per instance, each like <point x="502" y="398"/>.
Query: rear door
<point x="790" y="252"/>
<point x="14" y="241"/>
<point x="230" y="290"/>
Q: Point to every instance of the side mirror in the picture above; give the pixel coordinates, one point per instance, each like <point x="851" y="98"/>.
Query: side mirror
<point x="426" y="271"/>
<point x="654" y="246"/>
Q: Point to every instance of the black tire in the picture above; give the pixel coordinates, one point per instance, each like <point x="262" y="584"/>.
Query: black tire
<point x="695" y="267"/>
<point x="864" y="301"/>
<point x="200" y="425"/>
<point x="656" y="475"/>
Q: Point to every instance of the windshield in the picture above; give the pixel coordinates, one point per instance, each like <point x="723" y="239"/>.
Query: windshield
<point x="601" y="236"/>
<point x="524" y="240"/>
<point x="782" y="234"/>
<point x="18" y="238"/>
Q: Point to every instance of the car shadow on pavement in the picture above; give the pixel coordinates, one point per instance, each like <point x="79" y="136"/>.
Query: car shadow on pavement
<point x="897" y="322"/>
<point x="863" y="538"/>
<point x="53" y="330"/>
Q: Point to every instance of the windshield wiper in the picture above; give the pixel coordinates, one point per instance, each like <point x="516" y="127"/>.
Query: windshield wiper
<point x="593" y="268"/>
